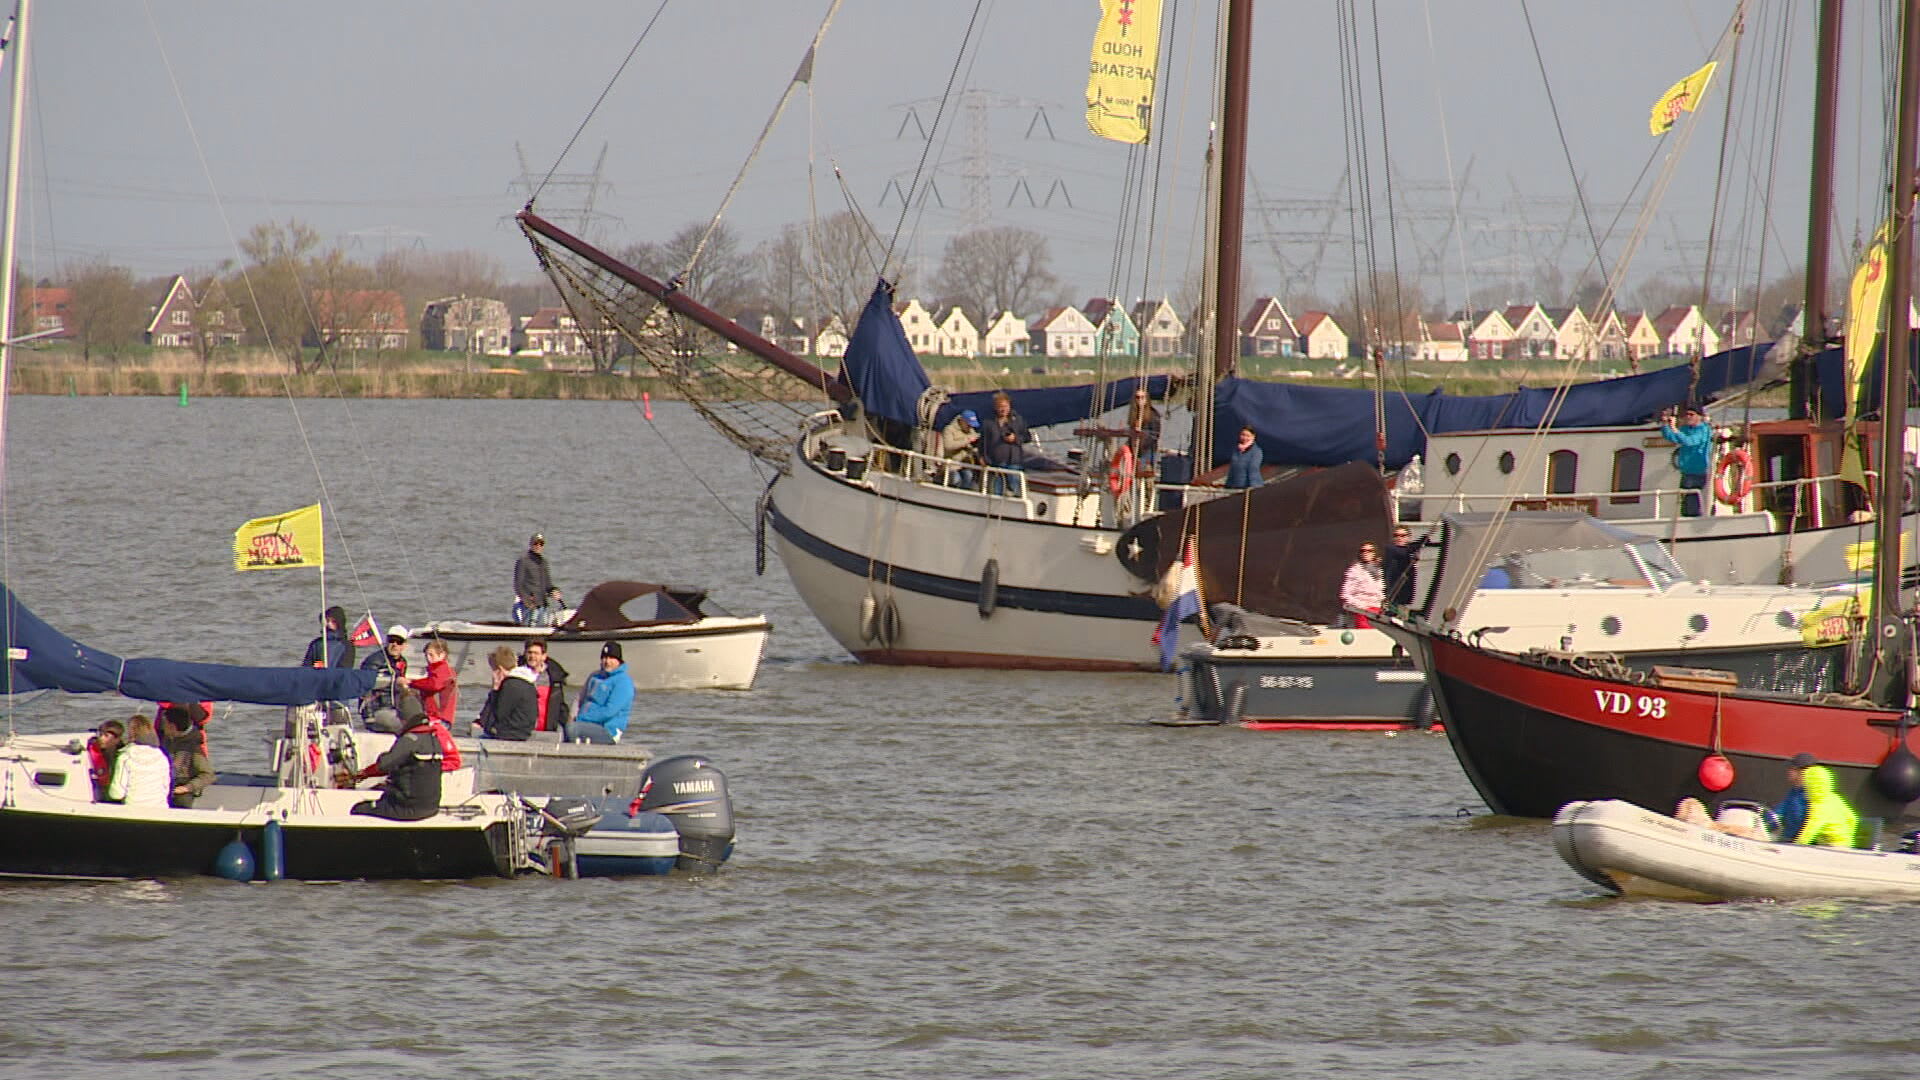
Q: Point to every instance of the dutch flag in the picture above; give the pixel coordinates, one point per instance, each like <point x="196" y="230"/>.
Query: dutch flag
<point x="1186" y="605"/>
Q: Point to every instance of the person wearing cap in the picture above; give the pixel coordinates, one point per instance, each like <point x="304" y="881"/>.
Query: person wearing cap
<point x="1792" y="810"/>
<point x="960" y="441"/>
<point x="533" y="591"/>
<point x="605" y="700"/>
<point x="390" y="661"/>
<point x="1830" y="821"/>
<point x="331" y="649"/>
<point x="1693" y="440"/>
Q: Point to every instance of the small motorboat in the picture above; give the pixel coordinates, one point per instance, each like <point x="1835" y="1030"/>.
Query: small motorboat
<point x="1629" y="850"/>
<point x="672" y="638"/>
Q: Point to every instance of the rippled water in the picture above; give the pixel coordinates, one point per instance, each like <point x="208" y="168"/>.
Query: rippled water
<point x="939" y="874"/>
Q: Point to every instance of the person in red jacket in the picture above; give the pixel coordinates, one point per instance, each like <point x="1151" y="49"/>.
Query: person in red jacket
<point x="436" y="688"/>
<point x="101" y="750"/>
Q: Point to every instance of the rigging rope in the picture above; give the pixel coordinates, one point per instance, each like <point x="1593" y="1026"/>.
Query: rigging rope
<point x="597" y="102"/>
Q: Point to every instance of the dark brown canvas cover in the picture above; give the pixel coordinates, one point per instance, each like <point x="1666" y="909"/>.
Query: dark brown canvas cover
<point x="1280" y="549"/>
<point x="618" y="605"/>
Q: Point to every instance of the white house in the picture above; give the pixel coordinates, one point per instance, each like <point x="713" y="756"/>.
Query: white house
<point x="957" y="334"/>
<point x="922" y="332"/>
<point x="1063" y="332"/>
<point x="1006" y="336"/>
<point x="1320" y="337"/>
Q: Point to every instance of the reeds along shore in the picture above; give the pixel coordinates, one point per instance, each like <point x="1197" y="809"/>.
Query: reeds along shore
<point x="439" y="375"/>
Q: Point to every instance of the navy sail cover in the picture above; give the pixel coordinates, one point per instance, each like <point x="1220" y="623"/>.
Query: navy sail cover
<point x="880" y="365"/>
<point x="42" y="658"/>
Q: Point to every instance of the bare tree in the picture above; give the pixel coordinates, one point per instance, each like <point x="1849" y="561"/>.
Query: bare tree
<point x="271" y="293"/>
<point x="1001" y="268"/>
<point x="108" y="311"/>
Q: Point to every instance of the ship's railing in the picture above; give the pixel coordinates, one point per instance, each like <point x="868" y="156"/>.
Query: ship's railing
<point x="1786" y="499"/>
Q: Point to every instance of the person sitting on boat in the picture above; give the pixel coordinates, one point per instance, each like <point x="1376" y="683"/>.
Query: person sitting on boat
<point x="391" y="661"/>
<point x="512" y="707"/>
<point x="533" y="586"/>
<point x="412" y="766"/>
<point x="1830" y="821"/>
<point x="605" y="700"/>
<point x="960" y="441"/>
<point x="550" y="684"/>
<point x="102" y="751"/>
<point x="1143" y="428"/>
<point x="1694" y="440"/>
<point x="437" y="688"/>
<point x="1361" y="591"/>
<point x="1243" y="469"/>
<point x="331" y="649"/>
<point x="199" y="712"/>
<point x="1792" y="810"/>
<point x="141" y="772"/>
<point x="190" y="770"/>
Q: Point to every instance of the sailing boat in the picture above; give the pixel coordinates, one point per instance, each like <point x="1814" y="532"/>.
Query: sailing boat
<point x="907" y="560"/>
<point x="1541" y="731"/>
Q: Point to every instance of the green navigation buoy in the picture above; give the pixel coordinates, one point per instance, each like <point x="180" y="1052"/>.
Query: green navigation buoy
<point x="183" y="393"/>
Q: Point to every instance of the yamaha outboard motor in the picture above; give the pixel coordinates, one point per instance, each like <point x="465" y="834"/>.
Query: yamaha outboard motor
<point x="693" y="795"/>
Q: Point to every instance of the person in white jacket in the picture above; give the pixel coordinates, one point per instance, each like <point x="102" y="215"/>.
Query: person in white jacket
<point x="142" y="775"/>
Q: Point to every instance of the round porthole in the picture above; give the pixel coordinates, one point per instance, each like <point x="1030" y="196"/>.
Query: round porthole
<point x="1506" y="461"/>
<point x="1786" y="620"/>
<point x="1610" y="625"/>
<point x="1453" y="464"/>
<point x="1042" y="507"/>
<point x="1697" y="623"/>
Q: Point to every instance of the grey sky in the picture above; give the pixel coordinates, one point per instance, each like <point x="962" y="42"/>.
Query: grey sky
<point x="393" y="123"/>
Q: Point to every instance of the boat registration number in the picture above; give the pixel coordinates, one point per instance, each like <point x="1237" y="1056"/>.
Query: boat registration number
<point x="1620" y="703"/>
<point x="1286" y="682"/>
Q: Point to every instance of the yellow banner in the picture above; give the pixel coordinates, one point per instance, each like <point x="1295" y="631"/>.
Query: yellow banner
<point x="1684" y="96"/>
<point x="1866" y="301"/>
<point x="281" y="542"/>
<point x="1126" y="51"/>
<point x="1834" y="623"/>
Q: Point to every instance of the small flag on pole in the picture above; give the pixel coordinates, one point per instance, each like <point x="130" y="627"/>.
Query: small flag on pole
<point x="1683" y="96"/>
<point x="366" y="632"/>
<point x="281" y="542"/>
<point x="1184" y="605"/>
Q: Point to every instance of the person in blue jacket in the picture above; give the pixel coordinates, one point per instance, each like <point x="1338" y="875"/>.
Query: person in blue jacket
<point x="1694" y="439"/>
<point x="1243" y="470"/>
<point x="1792" y="810"/>
<point x="605" y="700"/>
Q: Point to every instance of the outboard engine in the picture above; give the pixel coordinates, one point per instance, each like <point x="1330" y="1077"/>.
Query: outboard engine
<point x="571" y="815"/>
<point x="693" y="795"/>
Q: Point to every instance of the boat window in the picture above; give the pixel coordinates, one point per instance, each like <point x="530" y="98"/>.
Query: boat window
<point x="1563" y="472"/>
<point x="1629" y="467"/>
<point x="1506" y="462"/>
<point x="1453" y="464"/>
<point x="1577" y="568"/>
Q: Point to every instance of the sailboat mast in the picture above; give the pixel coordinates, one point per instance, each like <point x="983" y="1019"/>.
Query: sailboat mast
<point x="16" y="58"/>
<point x="1813" y="315"/>
<point x="1233" y="188"/>
<point x="1890" y="640"/>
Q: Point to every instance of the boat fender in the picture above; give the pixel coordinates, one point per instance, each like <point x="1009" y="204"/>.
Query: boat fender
<point x="235" y="861"/>
<point x="989" y="588"/>
<point x="1716" y="772"/>
<point x="1235" y="705"/>
<point x="1898" y="774"/>
<point x="869" y="612"/>
<point x="273" y="851"/>
<point x="886" y="625"/>
<point x="1732" y="491"/>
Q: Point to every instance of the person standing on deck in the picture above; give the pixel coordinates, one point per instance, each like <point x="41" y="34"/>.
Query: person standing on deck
<point x="533" y="586"/>
<point x="1243" y="469"/>
<point x="1398" y="564"/>
<point x="1694" y="439"/>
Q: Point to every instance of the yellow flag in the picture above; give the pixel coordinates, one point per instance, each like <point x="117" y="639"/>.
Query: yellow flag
<point x="1126" y="52"/>
<point x="1683" y="97"/>
<point x="281" y="542"/>
<point x="1866" y="298"/>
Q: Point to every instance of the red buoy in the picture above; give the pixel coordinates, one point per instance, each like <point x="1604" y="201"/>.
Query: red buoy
<point x="1716" y="772"/>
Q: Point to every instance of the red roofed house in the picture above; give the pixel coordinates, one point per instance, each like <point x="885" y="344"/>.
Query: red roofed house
<point x="1684" y="332"/>
<point x="1321" y="338"/>
<point x="48" y="310"/>
<point x="359" y="320"/>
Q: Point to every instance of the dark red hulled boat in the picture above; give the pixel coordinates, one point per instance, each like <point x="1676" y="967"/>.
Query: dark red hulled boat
<point x="1537" y="732"/>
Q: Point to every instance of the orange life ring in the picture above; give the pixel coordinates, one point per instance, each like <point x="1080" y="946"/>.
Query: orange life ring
<point x="1732" y="494"/>
<point x="1120" y="470"/>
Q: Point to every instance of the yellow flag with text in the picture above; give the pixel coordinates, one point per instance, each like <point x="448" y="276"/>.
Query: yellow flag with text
<point x="1126" y="53"/>
<point x="1684" y="96"/>
<point x="281" y="542"/>
<point x="1866" y="301"/>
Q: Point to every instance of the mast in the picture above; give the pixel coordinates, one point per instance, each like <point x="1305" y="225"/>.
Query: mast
<point x="1890" y="638"/>
<point x="1233" y="188"/>
<point x="1813" y="315"/>
<point x="16" y="56"/>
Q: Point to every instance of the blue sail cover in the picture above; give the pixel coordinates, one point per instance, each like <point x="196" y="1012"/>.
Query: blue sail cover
<point x="880" y="365"/>
<point x="42" y="658"/>
<point x="1332" y="425"/>
<point x="1049" y="405"/>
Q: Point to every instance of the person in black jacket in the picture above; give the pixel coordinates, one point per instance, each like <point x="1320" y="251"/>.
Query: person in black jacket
<point x="1398" y="563"/>
<point x="512" y="709"/>
<point x="412" y="766"/>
